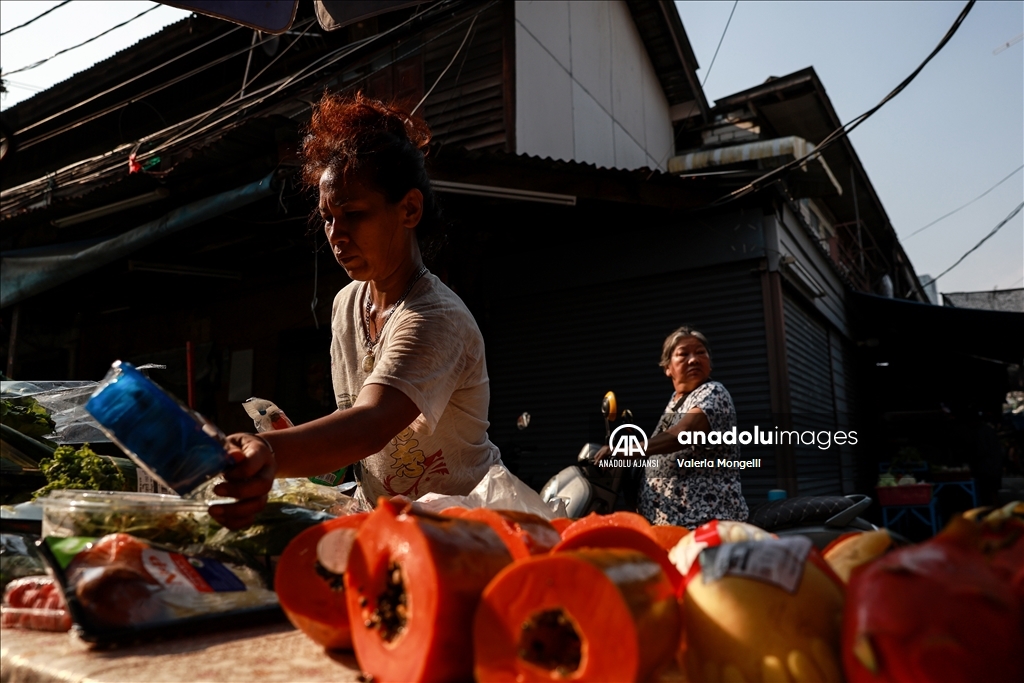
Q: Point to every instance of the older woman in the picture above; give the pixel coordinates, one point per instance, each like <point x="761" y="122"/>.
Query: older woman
<point x="670" y="494"/>
<point x="407" y="357"/>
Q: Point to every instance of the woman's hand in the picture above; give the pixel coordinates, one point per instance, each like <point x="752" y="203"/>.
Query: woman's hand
<point x="249" y="481"/>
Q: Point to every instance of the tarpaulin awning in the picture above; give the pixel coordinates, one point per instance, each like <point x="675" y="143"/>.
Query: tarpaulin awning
<point x="897" y="323"/>
<point x="24" y="276"/>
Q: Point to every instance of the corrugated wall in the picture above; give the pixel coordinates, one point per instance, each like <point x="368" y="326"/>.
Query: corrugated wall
<point x="809" y="357"/>
<point x="467" y="106"/>
<point x="555" y="356"/>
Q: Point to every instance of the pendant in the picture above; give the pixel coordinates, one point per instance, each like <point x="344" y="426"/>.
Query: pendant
<point x="368" y="363"/>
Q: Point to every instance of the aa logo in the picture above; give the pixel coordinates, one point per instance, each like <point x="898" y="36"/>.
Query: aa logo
<point x="628" y="443"/>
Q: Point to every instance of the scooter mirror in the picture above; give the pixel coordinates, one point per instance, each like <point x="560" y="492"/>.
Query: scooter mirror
<point x="610" y="407"/>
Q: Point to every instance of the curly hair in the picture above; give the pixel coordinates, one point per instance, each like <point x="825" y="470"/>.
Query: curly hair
<point x="360" y="138"/>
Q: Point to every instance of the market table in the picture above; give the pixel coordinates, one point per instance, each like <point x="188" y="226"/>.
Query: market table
<point x="261" y="654"/>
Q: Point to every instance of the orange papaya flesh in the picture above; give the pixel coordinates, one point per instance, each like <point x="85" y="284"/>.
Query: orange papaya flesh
<point x="586" y="615"/>
<point x="617" y="519"/>
<point x="942" y="610"/>
<point x="311" y="596"/>
<point x="454" y="511"/>
<point x="561" y="524"/>
<point x="668" y="535"/>
<point x="413" y="584"/>
<point x="611" y="535"/>
<point x="522" y="533"/>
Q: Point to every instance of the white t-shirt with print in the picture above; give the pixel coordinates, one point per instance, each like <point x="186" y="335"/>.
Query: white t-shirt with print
<point x="432" y="351"/>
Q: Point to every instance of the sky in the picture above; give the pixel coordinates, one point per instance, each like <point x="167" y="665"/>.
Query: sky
<point x="953" y="134"/>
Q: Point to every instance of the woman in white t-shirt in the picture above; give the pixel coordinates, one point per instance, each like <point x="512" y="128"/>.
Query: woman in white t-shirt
<point x="407" y="358"/>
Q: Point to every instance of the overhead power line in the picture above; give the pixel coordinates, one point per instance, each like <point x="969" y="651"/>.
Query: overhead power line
<point x="845" y="129"/>
<point x="983" y="239"/>
<point x="36" y="18"/>
<point x="965" y="205"/>
<point x="84" y="42"/>
<point x="724" y="31"/>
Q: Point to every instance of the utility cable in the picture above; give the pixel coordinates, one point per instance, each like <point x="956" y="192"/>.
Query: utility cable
<point x="85" y="42"/>
<point x="845" y="129"/>
<point x="454" y="57"/>
<point x="983" y="239"/>
<point x="724" y="31"/>
<point x="965" y="205"/>
<point x="138" y="96"/>
<point x="36" y="18"/>
<point x="124" y="83"/>
<point x="317" y="65"/>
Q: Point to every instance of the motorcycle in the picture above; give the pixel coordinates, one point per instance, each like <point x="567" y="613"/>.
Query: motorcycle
<point x="822" y="519"/>
<point x="585" y="487"/>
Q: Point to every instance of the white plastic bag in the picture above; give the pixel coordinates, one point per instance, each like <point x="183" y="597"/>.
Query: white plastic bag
<point x="498" y="490"/>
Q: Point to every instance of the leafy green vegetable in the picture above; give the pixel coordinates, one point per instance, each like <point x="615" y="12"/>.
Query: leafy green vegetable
<point x="81" y="469"/>
<point x="26" y="415"/>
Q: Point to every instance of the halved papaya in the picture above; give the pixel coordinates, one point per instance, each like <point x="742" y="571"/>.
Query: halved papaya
<point x="618" y="530"/>
<point x="312" y="596"/>
<point x="668" y="535"/>
<point x="524" y="534"/>
<point x="616" y="519"/>
<point x="586" y="615"/>
<point x="562" y="523"/>
<point x="413" y="583"/>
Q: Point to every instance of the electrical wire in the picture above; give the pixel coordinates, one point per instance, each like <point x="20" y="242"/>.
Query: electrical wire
<point x="983" y="239"/>
<point x="724" y="31"/>
<point x="136" y="97"/>
<point x="845" y="129"/>
<point x="85" y="42"/>
<point x="919" y="230"/>
<point x="124" y="83"/>
<point x="454" y="57"/>
<point x="36" y="18"/>
<point x="79" y="172"/>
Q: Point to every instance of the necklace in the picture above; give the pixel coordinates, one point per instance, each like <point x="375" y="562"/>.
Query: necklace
<point x="368" y="359"/>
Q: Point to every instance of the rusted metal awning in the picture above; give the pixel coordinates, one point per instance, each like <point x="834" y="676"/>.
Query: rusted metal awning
<point x="791" y="145"/>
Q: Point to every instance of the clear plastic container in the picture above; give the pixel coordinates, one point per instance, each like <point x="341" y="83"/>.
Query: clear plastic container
<point x="176" y="445"/>
<point x="153" y="516"/>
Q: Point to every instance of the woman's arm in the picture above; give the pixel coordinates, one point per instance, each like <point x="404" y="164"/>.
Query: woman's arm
<point x="668" y="441"/>
<point x="337" y="440"/>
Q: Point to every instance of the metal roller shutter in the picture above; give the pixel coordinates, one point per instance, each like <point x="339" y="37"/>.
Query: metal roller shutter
<point x="556" y="355"/>
<point x="809" y="357"/>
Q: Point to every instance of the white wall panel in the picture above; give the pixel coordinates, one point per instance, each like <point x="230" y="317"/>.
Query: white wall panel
<point x="592" y="130"/>
<point x="580" y="66"/>
<point x="659" y="138"/>
<point x="544" y="125"/>
<point x="628" y="154"/>
<point x="591" y="49"/>
<point x="548" y="21"/>
<point x="628" y="65"/>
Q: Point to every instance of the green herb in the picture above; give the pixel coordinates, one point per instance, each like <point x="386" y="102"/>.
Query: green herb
<point x="81" y="469"/>
<point x="26" y="415"/>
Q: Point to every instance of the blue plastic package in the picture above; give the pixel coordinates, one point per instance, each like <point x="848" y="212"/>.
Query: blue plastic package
<point x="177" y="446"/>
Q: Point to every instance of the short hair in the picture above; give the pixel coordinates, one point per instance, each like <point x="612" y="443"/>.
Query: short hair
<point x="672" y="341"/>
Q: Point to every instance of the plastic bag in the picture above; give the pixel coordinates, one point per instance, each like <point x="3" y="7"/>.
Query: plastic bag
<point x="65" y="401"/>
<point x="266" y="416"/>
<point x="119" y="582"/>
<point x="499" y="490"/>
